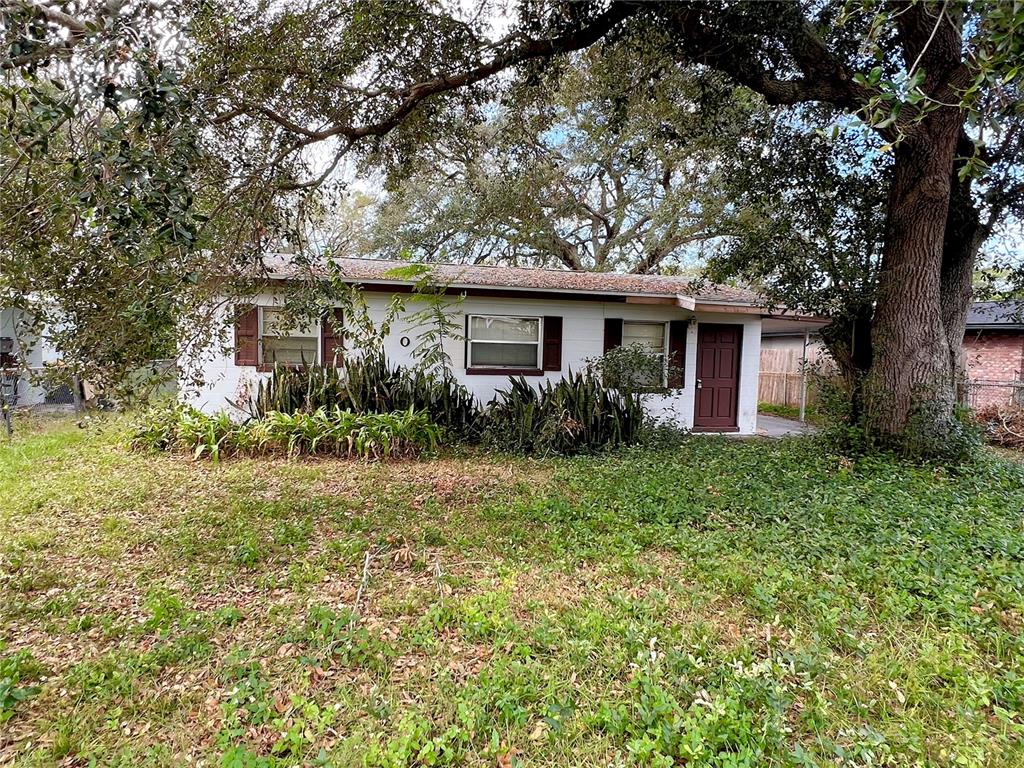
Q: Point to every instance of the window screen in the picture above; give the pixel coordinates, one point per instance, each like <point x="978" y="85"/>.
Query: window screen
<point x="504" y="342"/>
<point x="285" y="343"/>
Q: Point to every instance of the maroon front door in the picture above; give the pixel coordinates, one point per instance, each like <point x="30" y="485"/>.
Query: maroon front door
<point x="718" y="377"/>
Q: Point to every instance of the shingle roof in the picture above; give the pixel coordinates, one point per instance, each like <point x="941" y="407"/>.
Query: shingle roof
<point x="996" y="314"/>
<point x="498" y="277"/>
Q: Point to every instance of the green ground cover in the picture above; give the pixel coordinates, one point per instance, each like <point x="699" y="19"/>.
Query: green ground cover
<point x="715" y="603"/>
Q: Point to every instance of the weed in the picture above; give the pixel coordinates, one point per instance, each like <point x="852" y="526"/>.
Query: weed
<point x="15" y="669"/>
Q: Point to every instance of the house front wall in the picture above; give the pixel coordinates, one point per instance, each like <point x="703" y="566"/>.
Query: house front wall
<point x="582" y="341"/>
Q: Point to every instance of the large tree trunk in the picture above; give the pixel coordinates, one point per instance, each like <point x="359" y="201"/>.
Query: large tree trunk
<point x="961" y="242"/>
<point x="912" y="366"/>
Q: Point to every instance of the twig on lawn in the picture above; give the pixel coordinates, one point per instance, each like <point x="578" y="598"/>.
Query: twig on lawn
<point x="437" y="578"/>
<point x="359" y="592"/>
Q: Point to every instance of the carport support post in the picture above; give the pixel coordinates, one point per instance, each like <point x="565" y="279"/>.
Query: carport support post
<point x="803" y="378"/>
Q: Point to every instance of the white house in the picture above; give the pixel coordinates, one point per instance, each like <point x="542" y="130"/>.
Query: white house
<point x="536" y="323"/>
<point x="21" y="355"/>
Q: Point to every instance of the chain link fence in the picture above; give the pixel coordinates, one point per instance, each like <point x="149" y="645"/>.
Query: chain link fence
<point x="38" y="386"/>
<point x="985" y="393"/>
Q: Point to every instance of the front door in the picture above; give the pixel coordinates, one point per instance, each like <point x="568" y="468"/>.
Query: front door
<point x="718" y="377"/>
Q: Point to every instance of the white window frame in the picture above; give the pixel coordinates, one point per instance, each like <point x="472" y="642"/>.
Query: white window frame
<point x="538" y="363"/>
<point x="664" y="344"/>
<point x="316" y="332"/>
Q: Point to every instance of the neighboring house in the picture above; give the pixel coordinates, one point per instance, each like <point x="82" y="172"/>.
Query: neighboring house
<point x="536" y="323"/>
<point x="21" y="355"/>
<point x="994" y="352"/>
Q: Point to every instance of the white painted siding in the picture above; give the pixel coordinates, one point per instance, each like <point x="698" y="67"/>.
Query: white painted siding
<point x="582" y="339"/>
<point x="33" y="349"/>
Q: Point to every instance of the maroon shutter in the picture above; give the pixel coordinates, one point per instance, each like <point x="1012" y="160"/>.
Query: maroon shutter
<point x="612" y="333"/>
<point x="676" y="352"/>
<point x="332" y="329"/>
<point x="552" y="343"/>
<point x="247" y="330"/>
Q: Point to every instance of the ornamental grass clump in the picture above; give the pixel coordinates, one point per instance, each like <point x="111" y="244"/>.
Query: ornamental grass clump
<point x="578" y="414"/>
<point x="325" y="431"/>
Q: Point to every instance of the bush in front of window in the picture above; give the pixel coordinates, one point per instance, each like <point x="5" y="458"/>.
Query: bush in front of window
<point x="368" y="383"/>
<point x="632" y="368"/>
<point x="578" y="414"/>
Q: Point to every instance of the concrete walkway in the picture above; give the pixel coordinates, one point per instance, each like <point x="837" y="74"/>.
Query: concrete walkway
<point x="776" y="426"/>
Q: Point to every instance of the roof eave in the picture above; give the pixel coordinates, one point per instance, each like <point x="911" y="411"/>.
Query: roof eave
<point x="685" y="302"/>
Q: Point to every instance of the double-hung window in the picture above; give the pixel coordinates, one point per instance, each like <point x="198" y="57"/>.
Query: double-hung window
<point x="651" y="338"/>
<point x="503" y="342"/>
<point x="285" y="343"/>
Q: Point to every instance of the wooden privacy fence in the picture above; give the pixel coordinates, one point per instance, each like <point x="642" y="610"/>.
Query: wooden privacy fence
<point x="781" y="375"/>
<point x="782" y="388"/>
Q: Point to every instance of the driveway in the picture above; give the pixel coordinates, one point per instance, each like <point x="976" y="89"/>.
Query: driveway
<point x="777" y="426"/>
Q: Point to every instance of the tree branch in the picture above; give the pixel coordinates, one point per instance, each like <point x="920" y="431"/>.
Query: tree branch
<point x="413" y="95"/>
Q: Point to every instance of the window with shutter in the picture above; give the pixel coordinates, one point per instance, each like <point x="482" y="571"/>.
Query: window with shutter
<point x="552" y="343"/>
<point x="285" y="343"/>
<point x="247" y="346"/>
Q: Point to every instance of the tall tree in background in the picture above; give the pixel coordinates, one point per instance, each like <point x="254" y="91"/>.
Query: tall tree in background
<point x="607" y="167"/>
<point x="375" y="82"/>
<point x="101" y="215"/>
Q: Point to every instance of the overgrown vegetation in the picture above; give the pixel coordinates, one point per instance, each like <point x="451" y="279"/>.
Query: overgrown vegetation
<point x="716" y="603"/>
<point x="325" y="430"/>
<point x="578" y="414"/>
<point x="1003" y="425"/>
<point x="634" y="368"/>
<point x="374" y="409"/>
<point x="844" y="429"/>
<point x="368" y="384"/>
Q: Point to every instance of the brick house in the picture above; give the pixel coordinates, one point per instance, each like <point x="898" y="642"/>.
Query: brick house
<point x="993" y="348"/>
<point x="994" y="351"/>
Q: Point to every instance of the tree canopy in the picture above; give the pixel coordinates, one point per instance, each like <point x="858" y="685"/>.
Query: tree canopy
<point x="599" y="167"/>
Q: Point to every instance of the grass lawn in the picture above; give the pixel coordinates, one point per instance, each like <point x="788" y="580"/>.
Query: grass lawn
<point x="722" y="603"/>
